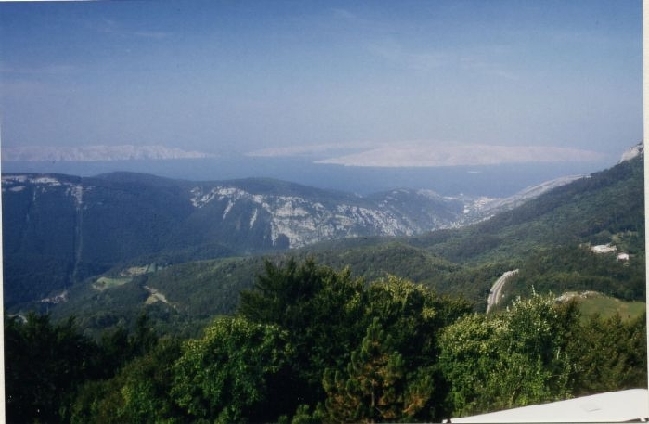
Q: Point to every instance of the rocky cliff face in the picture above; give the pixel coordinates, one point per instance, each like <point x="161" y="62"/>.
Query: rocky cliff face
<point x="633" y="152"/>
<point x="266" y="213"/>
<point x="298" y="220"/>
<point x="60" y="228"/>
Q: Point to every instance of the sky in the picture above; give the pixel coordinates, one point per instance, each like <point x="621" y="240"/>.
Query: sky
<point x="330" y="80"/>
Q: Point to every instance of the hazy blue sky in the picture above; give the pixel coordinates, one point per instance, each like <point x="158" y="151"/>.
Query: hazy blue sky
<point x="239" y="76"/>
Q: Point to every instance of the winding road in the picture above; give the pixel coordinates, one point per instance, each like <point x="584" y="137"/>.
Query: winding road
<point x="496" y="290"/>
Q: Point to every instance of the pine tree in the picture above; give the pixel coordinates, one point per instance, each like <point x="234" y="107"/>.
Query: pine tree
<point x="375" y="387"/>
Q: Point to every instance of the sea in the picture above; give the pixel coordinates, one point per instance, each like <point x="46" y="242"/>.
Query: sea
<point x="496" y="181"/>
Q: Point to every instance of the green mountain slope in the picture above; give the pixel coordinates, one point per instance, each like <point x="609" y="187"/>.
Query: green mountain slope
<point x="60" y="229"/>
<point x="547" y="239"/>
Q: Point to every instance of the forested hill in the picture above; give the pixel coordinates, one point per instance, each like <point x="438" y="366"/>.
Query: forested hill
<point x="274" y="339"/>
<point x="309" y="344"/>
<point x="547" y="239"/>
<point x="61" y="229"/>
<point x="591" y="209"/>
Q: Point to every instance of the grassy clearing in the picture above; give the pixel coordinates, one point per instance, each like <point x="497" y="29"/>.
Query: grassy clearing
<point x="608" y="306"/>
<point x="140" y="270"/>
<point x="104" y="283"/>
<point x="126" y="276"/>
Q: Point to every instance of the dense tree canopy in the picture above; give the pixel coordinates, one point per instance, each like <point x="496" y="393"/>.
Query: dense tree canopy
<point x="311" y="344"/>
<point x="512" y="359"/>
<point x="327" y="313"/>
<point x="236" y="372"/>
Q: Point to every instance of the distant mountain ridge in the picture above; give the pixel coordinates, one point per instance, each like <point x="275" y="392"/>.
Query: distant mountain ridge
<point x="62" y="228"/>
<point x="59" y="229"/>
<point x="547" y="239"/>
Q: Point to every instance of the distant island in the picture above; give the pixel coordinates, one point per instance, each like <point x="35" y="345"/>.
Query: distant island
<point x="98" y="153"/>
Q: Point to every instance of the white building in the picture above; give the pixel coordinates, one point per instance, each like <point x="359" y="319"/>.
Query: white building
<point x="604" y="248"/>
<point x="623" y="257"/>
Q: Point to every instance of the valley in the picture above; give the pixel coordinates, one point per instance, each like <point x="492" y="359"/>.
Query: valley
<point x="84" y="226"/>
<point x="148" y="275"/>
<point x="73" y="242"/>
<point x="321" y="212"/>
